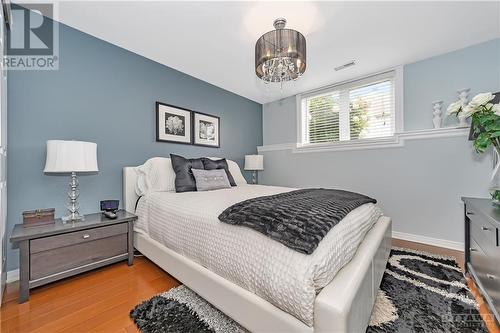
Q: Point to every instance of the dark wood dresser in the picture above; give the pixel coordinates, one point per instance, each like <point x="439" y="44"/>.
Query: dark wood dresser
<point x="482" y="249"/>
<point x="52" y="252"/>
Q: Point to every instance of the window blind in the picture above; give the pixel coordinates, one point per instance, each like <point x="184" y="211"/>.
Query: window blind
<point x="358" y="110"/>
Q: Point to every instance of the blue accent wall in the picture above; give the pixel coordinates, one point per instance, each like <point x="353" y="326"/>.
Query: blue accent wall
<point x="105" y="94"/>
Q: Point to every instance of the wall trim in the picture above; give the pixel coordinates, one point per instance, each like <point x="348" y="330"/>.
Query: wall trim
<point x="458" y="246"/>
<point x="396" y="141"/>
<point x="445" y="132"/>
<point x="275" y="147"/>
<point x="12" y="276"/>
<point x="390" y="142"/>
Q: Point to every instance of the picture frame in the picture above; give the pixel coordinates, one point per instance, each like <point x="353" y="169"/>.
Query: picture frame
<point x="206" y="130"/>
<point x="173" y="124"/>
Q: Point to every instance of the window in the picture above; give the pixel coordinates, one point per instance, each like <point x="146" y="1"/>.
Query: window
<point x="362" y="109"/>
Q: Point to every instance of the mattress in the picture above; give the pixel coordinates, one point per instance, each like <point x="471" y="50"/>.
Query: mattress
<point x="188" y="224"/>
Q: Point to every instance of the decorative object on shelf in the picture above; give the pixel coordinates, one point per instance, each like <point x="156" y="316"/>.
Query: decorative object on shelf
<point x="71" y="157"/>
<point x="254" y="163"/>
<point x="436" y="112"/>
<point x="173" y="124"/>
<point x="484" y="110"/>
<point x="463" y="98"/>
<point x="206" y="129"/>
<point x="280" y="55"/>
<point x="38" y="217"/>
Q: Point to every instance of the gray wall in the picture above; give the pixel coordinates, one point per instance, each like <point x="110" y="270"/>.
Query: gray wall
<point x="107" y="95"/>
<point x="418" y="185"/>
<point x="439" y="78"/>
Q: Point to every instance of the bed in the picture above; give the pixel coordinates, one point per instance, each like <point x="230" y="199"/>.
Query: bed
<point x="332" y="290"/>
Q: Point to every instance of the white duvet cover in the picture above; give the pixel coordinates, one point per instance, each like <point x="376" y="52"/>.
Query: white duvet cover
<point x="188" y="224"/>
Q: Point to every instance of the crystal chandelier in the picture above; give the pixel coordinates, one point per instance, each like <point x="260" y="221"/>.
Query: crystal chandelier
<point x="280" y="55"/>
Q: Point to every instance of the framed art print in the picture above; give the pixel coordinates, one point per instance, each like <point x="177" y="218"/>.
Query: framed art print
<point x="173" y="124"/>
<point x="206" y="130"/>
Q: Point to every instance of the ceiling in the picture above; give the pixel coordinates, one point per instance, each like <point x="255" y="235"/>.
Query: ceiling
<point x="214" y="41"/>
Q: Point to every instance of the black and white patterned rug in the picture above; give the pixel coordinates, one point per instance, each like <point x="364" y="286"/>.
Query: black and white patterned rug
<point x="420" y="292"/>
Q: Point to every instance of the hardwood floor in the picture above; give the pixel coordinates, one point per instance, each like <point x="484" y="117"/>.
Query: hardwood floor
<point x="97" y="301"/>
<point x="100" y="301"/>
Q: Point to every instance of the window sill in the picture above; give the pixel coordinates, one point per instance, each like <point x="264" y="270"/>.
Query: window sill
<point x="387" y="142"/>
<point x="397" y="140"/>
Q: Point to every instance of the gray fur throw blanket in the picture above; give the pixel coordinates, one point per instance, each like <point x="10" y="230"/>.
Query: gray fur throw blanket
<point x="297" y="219"/>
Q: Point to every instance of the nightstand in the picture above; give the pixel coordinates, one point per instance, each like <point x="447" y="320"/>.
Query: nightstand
<point x="52" y="252"/>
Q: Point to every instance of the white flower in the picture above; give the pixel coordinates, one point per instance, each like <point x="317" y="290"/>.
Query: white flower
<point x="454" y="107"/>
<point x="496" y="109"/>
<point x="481" y="99"/>
<point x="467" y="111"/>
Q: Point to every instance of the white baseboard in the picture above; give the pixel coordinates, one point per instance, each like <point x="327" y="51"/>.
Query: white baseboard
<point x="458" y="246"/>
<point x="12" y="276"/>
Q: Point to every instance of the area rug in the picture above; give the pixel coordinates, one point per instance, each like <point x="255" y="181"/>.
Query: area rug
<point x="420" y="292"/>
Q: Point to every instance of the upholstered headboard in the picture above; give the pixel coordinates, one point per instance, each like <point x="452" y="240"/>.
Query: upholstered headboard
<point x="129" y="195"/>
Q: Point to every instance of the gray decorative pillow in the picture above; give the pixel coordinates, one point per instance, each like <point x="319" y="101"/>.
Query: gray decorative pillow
<point x="184" y="180"/>
<point x="207" y="180"/>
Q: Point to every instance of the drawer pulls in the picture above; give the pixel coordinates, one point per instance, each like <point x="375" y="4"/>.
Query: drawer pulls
<point x="491" y="277"/>
<point x="472" y="249"/>
<point x="470" y="213"/>
<point x="485" y="228"/>
<point x="85" y="236"/>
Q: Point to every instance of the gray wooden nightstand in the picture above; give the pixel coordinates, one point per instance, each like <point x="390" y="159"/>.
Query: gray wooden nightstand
<point x="52" y="252"/>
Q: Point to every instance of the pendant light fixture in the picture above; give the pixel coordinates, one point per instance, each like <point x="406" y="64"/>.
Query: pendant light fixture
<point x="280" y="55"/>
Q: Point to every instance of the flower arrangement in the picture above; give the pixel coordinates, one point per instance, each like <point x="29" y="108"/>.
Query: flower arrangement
<point x="485" y="129"/>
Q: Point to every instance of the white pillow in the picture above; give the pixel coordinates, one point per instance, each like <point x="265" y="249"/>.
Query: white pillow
<point x="235" y="171"/>
<point x="155" y="175"/>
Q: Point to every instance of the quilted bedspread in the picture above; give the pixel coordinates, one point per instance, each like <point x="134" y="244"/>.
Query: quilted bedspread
<point x="188" y="224"/>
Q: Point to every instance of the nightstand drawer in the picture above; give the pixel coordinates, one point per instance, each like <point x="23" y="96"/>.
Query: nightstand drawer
<point x="487" y="271"/>
<point x="72" y="238"/>
<point x="485" y="235"/>
<point x="57" y="260"/>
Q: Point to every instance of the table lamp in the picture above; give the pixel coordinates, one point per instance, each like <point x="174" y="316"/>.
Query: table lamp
<point x="71" y="157"/>
<point x="254" y="163"/>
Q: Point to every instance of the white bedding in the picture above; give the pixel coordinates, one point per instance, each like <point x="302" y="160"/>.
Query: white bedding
<point x="188" y="224"/>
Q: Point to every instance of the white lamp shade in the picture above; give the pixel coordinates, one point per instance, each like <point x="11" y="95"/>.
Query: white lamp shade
<point x="71" y="156"/>
<point x="254" y="162"/>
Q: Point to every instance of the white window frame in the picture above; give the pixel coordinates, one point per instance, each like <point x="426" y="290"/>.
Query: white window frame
<point x="302" y="135"/>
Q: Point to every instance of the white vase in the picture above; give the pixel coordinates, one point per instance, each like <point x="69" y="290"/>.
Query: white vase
<point x="462" y="121"/>
<point x="463" y="96"/>
<point x="436" y="112"/>
<point x="494" y="187"/>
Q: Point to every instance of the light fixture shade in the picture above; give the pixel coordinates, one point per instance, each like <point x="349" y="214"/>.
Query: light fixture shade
<point x="71" y="156"/>
<point x="280" y="55"/>
<point x="254" y="162"/>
